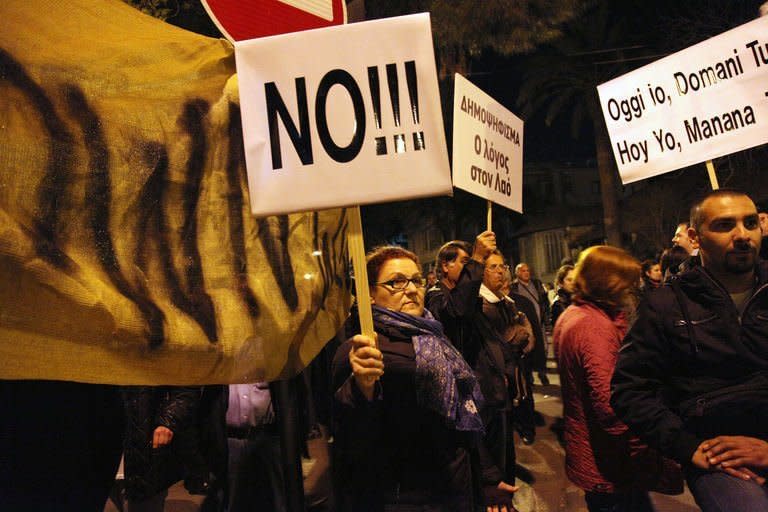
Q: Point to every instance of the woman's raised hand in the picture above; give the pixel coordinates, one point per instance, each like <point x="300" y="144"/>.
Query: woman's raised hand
<point x="367" y="363"/>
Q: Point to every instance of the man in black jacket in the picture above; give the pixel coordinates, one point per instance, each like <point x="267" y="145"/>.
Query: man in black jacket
<point x="457" y="303"/>
<point x="692" y="379"/>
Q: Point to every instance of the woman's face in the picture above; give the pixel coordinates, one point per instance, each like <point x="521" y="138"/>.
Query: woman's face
<point x="568" y="281"/>
<point x="654" y="273"/>
<point x="408" y="300"/>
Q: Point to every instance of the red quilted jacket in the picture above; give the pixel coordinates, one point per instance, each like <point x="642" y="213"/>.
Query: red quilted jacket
<point x="600" y="454"/>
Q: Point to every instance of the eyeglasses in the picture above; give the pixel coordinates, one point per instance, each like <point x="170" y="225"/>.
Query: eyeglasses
<point x="401" y="283"/>
<point x="497" y="266"/>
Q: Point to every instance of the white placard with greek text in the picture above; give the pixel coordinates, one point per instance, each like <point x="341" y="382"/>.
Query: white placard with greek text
<point x="487" y="147"/>
<point x="706" y="101"/>
<point x="342" y="116"/>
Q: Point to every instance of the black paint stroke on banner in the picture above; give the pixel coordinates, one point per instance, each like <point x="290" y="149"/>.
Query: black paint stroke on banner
<point x="273" y="232"/>
<point x="235" y="201"/>
<point x="194" y="301"/>
<point x="98" y="199"/>
<point x="52" y="190"/>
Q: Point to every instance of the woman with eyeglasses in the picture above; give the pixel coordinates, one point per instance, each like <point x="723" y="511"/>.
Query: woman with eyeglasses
<point x="406" y="419"/>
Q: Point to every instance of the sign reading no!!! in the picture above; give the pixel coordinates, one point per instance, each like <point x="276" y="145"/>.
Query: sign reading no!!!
<point x="342" y="116"/>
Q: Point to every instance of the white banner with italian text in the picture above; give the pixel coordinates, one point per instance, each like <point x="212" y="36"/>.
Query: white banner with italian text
<point x="701" y="103"/>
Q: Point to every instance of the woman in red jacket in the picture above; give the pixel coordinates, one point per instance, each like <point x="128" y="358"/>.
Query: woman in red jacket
<point x="601" y="456"/>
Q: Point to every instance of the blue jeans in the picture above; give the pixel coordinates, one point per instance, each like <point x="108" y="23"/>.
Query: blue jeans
<point x="719" y="492"/>
<point x="632" y="501"/>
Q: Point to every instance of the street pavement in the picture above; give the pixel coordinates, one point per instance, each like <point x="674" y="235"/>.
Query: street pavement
<point x="549" y="489"/>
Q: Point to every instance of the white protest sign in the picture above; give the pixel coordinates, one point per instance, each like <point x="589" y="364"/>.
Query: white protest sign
<point x="342" y="116"/>
<point x="487" y="147"/>
<point x="703" y="102"/>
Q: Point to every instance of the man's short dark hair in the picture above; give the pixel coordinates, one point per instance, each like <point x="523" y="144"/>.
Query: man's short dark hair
<point x="697" y="215"/>
<point x="449" y="252"/>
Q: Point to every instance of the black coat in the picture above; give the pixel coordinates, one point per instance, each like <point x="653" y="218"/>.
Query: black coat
<point x="459" y="310"/>
<point x="692" y="368"/>
<point x="561" y="302"/>
<point x="393" y="451"/>
<point x="149" y="470"/>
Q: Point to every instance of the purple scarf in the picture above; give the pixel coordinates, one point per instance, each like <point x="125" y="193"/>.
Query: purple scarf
<point x="445" y="383"/>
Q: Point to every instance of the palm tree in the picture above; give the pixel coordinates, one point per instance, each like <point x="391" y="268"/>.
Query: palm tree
<point x="562" y="80"/>
<point x="462" y="29"/>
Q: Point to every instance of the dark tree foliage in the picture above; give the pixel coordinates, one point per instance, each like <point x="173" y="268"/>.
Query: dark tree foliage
<point x="187" y="14"/>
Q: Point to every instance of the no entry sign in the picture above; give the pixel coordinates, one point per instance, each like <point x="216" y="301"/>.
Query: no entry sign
<point x="248" y="19"/>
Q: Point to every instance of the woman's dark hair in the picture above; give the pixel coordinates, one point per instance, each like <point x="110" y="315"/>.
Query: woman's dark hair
<point x="646" y="266"/>
<point x="561" y="273"/>
<point x="672" y="258"/>
<point x="380" y="255"/>
<point x="605" y="275"/>
<point x="449" y="252"/>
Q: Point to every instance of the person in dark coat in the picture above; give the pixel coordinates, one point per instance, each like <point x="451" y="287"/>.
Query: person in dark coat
<point x="161" y="444"/>
<point x="406" y="403"/>
<point x="691" y="377"/>
<point x="532" y="289"/>
<point x="459" y="304"/>
<point x="60" y="445"/>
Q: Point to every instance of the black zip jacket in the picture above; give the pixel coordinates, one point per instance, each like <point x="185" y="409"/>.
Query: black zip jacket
<point x="692" y="368"/>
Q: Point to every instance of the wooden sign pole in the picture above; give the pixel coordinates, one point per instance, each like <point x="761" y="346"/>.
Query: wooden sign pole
<point x="490" y="214"/>
<point x="712" y="175"/>
<point x="357" y="252"/>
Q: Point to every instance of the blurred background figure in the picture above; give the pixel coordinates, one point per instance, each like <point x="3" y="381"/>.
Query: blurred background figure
<point x="762" y="214"/>
<point x="651" y="275"/>
<point x="671" y="260"/>
<point x="431" y="279"/>
<point x="161" y="444"/>
<point x="255" y="467"/>
<point x="564" y="285"/>
<point x="532" y="289"/>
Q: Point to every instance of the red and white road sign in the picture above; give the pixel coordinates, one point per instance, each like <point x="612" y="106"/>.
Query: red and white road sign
<point x="247" y="19"/>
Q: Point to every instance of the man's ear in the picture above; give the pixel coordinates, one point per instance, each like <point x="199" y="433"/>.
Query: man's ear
<point x="694" y="236"/>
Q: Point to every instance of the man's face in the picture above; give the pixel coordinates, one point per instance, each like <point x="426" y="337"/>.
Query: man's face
<point x="763" y="223"/>
<point x="493" y="277"/>
<point x="729" y="237"/>
<point x="452" y="269"/>
<point x="523" y="273"/>
<point x="682" y="239"/>
<point x="431" y="279"/>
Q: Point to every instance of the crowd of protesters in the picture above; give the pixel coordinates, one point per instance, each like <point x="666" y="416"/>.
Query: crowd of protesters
<point x="663" y="367"/>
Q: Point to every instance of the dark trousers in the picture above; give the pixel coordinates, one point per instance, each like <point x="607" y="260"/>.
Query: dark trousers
<point x="256" y="474"/>
<point x="632" y="501"/>
<point x="60" y="445"/>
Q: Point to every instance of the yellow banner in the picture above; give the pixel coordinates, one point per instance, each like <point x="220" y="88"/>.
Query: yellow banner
<point x="127" y="251"/>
